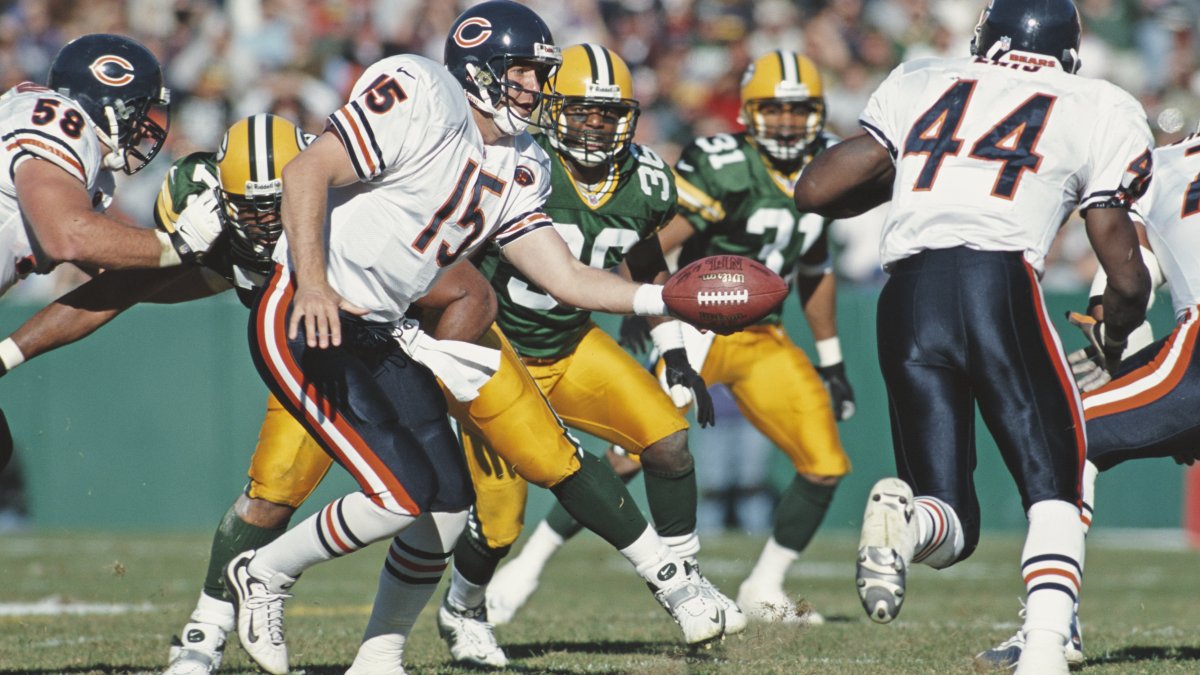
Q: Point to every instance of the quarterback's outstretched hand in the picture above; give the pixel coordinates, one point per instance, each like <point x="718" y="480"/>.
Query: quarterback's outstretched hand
<point x="1093" y="365"/>
<point x="685" y="385"/>
<point x="634" y="334"/>
<point x="840" y="391"/>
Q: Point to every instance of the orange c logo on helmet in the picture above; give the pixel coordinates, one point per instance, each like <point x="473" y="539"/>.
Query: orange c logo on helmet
<point x="112" y="70"/>
<point x="485" y="32"/>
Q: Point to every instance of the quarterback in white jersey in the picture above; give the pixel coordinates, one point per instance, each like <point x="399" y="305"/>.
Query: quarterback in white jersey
<point x="421" y="167"/>
<point x="982" y="159"/>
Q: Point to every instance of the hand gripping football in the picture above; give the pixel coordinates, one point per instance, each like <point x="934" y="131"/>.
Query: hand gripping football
<point x="724" y="293"/>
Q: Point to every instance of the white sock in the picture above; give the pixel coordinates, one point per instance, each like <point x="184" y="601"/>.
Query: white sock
<point x="653" y="559"/>
<point x="686" y="546"/>
<point x="410" y="575"/>
<point x="1052" y="566"/>
<point x="772" y="565"/>
<point x="538" y="549"/>
<point x="214" y="611"/>
<point x="345" y="525"/>
<point x="464" y="594"/>
<point x="1088" y="495"/>
<point x="939" y="533"/>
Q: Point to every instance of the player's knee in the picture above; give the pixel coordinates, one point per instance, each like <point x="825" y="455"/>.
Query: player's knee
<point x="824" y="481"/>
<point x="668" y="457"/>
<point x="262" y="513"/>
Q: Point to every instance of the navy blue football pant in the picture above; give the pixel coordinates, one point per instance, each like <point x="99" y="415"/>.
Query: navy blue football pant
<point x="959" y="328"/>
<point x="1152" y="407"/>
<point x="378" y="413"/>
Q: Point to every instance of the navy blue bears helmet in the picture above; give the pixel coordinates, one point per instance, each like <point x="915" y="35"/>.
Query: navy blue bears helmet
<point x="1048" y="27"/>
<point x="117" y="82"/>
<point x="484" y="42"/>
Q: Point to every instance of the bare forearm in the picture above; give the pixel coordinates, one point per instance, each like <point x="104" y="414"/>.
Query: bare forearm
<point x="1117" y="248"/>
<point x="818" y="297"/>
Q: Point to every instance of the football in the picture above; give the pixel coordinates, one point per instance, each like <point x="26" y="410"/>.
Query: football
<point x="724" y="293"/>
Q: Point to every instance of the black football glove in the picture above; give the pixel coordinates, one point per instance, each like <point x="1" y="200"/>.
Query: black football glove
<point x="634" y="334"/>
<point x="1093" y="365"/>
<point x="840" y="391"/>
<point x="685" y="385"/>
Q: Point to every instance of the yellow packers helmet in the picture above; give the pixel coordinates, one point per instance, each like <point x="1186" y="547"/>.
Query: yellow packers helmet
<point x="594" y="116"/>
<point x="777" y="83"/>
<point x="250" y="167"/>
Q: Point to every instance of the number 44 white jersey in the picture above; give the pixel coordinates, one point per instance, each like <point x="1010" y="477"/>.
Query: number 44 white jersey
<point x="994" y="155"/>
<point x="430" y="191"/>
<point x="1171" y="208"/>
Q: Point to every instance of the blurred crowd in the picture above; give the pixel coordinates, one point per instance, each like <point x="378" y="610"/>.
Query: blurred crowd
<point x="227" y="59"/>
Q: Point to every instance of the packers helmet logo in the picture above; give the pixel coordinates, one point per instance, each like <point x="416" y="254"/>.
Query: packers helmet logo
<point x="473" y="32"/>
<point x="112" y="70"/>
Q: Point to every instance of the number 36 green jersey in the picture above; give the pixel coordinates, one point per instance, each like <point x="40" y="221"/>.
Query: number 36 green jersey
<point x="638" y="198"/>
<point x="740" y="205"/>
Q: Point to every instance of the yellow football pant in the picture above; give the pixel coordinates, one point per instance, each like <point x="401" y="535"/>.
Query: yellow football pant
<point x="780" y="393"/>
<point x="599" y="389"/>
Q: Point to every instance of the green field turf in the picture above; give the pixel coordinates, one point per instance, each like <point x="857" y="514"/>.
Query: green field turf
<point x="592" y="616"/>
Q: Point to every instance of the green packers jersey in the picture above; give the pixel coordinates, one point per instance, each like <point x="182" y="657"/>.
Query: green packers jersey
<point x="188" y="177"/>
<point x="740" y="205"/>
<point x="599" y="227"/>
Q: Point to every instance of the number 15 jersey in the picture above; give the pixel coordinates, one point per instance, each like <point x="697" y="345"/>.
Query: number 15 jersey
<point x="994" y="155"/>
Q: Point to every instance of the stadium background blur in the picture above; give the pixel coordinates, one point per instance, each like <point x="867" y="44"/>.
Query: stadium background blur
<point x="150" y="422"/>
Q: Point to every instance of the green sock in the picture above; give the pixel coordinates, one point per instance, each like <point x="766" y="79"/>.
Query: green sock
<point x="233" y="536"/>
<point x="474" y="559"/>
<point x="563" y="524"/>
<point x="800" y="512"/>
<point x="672" y="500"/>
<point x="597" y="498"/>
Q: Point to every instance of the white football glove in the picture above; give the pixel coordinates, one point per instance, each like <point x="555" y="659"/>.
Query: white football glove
<point x="199" y="224"/>
<point x="1092" y="366"/>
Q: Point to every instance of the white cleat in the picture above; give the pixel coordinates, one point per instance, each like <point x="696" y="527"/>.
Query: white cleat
<point x="258" y="604"/>
<point x="1044" y="654"/>
<point x="362" y="668"/>
<point x="508" y="591"/>
<point x="735" y="619"/>
<point x="701" y="616"/>
<point x="197" y="650"/>
<point x="774" y="606"/>
<point x="1005" y="655"/>
<point x="469" y="636"/>
<point x="889" y="537"/>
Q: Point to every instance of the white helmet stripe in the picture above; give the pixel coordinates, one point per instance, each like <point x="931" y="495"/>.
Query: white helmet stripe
<point x="260" y="142"/>
<point x="602" y="71"/>
<point x="788" y="66"/>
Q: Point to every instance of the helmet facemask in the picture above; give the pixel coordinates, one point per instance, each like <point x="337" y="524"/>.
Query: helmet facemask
<point x="592" y="130"/>
<point x="494" y="92"/>
<point x="784" y="127"/>
<point x="254" y="219"/>
<point x="132" y="133"/>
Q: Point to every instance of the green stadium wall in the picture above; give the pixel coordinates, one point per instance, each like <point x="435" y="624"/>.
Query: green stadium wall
<point x="149" y="424"/>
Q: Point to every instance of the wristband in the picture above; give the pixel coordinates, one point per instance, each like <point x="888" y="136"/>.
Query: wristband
<point x="167" y="255"/>
<point x="829" y="352"/>
<point x="10" y="354"/>
<point x="667" y="336"/>
<point x="648" y="301"/>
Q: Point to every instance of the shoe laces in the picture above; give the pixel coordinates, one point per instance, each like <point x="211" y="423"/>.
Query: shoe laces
<point x="272" y="602"/>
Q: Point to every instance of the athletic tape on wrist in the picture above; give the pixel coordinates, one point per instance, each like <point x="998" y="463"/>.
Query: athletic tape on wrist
<point x="167" y="255"/>
<point x="648" y="301"/>
<point x="667" y="336"/>
<point x="10" y="354"/>
<point x="829" y="352"/>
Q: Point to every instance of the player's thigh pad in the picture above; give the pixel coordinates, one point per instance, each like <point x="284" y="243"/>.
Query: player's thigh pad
<point x="512" y="415"/>
<point x="602" y="390"/>
<point x="1150" y="409"/>
<point x="287" y="464"/>
<point x="781" y="394"/>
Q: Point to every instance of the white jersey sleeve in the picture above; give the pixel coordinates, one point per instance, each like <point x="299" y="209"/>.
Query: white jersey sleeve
<point x="39" y="123"/>
<point x="1120" y="161"/>
<point x="883" y="117"/>
<point x="531" y="181"/>
<point x="1171" y="209"/>
<point x="395" y="113"/>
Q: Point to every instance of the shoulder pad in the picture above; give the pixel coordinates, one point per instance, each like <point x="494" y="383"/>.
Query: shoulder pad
<point x="718" y="160"/>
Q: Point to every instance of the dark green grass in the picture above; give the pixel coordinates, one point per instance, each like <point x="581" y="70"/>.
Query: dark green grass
<point x="592" y="616"/>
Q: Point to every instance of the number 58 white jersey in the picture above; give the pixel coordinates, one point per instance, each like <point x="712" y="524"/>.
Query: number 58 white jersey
<point x="994" y="155"/>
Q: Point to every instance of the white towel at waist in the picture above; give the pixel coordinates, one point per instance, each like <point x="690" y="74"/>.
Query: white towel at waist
<point x="462" y="367"/>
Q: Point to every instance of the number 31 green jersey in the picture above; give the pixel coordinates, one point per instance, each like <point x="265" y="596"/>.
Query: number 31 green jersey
<point x="740" y="205"/>
<point x="599" y="227"/>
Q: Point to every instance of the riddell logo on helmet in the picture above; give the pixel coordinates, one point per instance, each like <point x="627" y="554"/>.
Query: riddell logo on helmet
<point x="485" y="32"/>
<point x="112" y="70"/>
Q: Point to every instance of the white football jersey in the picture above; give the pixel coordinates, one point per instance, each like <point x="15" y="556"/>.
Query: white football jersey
<point x="1171" y="209"/>
<point x="994" y="155"/>
<point x="430" y="192"/>
<point x="37" y="123"/>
